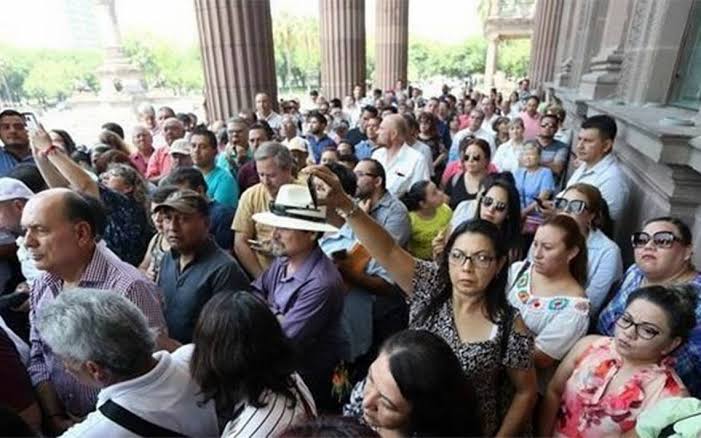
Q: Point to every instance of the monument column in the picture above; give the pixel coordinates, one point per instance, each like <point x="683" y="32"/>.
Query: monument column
<point x="491" y="63"/>
<point x="392" y="42"/>
<point x="546" y="32"/>
<point x="118" y="76"/>
<point x="236" y="39"/>
<point x="342" y="35"/>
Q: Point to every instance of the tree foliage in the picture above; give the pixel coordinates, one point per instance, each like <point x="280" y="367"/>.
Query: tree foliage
<point x="514" y="57"/>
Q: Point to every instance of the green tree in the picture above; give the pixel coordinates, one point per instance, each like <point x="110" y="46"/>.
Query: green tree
<point x="514" y="57"/>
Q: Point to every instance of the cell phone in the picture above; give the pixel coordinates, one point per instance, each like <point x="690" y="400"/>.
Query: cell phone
<point x="312" y="191"/>
<point x="30" y="120"/>
<point x="340" y="254"/>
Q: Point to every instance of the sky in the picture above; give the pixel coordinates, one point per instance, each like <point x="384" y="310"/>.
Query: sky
<point x="446" y="21"/>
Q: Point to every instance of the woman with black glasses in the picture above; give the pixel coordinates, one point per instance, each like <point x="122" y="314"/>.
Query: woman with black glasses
<point x="604" y="382"/>
<point x="662" y="257"/>
<point x="461" y="299"/>
<point x="584" y="203"/>
<point x="475" y="166"/>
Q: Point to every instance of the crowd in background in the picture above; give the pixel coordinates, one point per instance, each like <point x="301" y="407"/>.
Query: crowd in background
<point x="389" y="264"/>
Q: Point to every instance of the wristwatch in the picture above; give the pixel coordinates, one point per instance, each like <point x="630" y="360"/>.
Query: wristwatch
<point x="345" y="215"/>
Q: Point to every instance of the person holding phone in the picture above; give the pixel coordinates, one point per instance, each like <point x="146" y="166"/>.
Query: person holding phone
<point x="15" y="138"/>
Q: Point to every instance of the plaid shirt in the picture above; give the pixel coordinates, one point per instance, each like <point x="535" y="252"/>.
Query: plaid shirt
<point x="105" y="271"/>
<point x="688" y="356"/>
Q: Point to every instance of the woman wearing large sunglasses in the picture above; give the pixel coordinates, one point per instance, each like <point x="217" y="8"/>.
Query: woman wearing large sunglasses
<point x="584" y="203"/>
<point x="604" y="383"/>
<point x="462" y="300"/>
<point x="662" y="257"/>
<point x="475" y="167"/>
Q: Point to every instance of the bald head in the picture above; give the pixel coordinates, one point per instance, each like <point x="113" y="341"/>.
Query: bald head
<point x="61" y="229"/>
<point x="393" y="131"/>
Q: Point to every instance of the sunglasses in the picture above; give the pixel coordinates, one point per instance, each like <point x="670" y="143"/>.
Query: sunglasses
<point x="661" y="239"/>
<point x="574" y="206"/>
<point x="499" y="206"/>
<point x="475" y="158"/>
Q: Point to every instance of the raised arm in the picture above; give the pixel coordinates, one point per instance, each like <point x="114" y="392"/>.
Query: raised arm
<point x="59" y="169"/>
<point x="378" y="242"/>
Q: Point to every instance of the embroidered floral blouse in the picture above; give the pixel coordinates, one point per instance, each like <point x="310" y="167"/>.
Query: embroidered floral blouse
<point x="586" y="411"/>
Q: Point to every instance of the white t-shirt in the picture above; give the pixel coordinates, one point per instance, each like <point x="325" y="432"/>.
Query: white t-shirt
<point x="506" y="159"/>
<point x="166" y="396"/>
<point x="406" y="168"/>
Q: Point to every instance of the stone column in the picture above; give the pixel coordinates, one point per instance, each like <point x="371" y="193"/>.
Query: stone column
<point x="342" y="46"/>
<point x="491" y="64"/>
<point x="236" y="39"/>
<point x="546" y="32"/>
<point x="392" y="42"/>
<point x="601" y="81"/>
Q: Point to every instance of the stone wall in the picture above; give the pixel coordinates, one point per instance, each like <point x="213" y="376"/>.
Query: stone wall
<point x="619" y="57"/>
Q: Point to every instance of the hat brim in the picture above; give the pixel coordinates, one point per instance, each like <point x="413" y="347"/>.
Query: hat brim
<point x="177" y="206"/>
<point x="273" y="220"/>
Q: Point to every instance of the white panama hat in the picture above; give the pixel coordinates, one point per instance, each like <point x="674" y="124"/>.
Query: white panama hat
<point x="294" y="209"/>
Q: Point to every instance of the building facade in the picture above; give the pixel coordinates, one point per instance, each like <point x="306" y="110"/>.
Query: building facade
<point x="638" y="61"/>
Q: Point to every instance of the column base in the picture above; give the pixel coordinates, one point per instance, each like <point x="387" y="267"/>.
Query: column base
<point x="602" y="80"/>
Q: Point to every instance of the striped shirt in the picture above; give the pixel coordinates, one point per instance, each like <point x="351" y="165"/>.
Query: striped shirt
<point x="275" y="417"/>
<point x="105" y="271"/>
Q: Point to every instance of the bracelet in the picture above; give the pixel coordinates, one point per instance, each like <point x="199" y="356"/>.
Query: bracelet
<point x="47" y="151"/>
<point x="345" y="215"/>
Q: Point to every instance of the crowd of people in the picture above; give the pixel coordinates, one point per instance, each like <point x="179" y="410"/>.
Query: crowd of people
<point x="382" y="265"/>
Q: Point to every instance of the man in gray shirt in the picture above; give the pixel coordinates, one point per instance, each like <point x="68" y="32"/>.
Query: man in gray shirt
<point x="195" y="268"/>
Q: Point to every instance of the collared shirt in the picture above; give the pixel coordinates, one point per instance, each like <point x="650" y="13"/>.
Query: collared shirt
<point x="426" y="151"/>
<point x="406" y="168"/>
<point x="166" y="396"/>
<point x="506" y="159"/>
<point x="8" y="161"/>
<point x="128" y="230"/>
<point x="688" y="355"/>
<point x="604" y="267"/>
<point x="484" y="134"/>
<point x="310" y="301"/>
<point x="274" y="119"/>
<point x="139" y="161"/>
<point x="318" y="144"/>
<point x="364" y="149"/>
<point x="220" y="218"/>
<point x="606" y="175"/>
<point x="222" y="187"/>
<point x="160" y="163"/>
<point x="187" y="291"/>
<point x="105" y="272"/>
<point x="254" y="200"/>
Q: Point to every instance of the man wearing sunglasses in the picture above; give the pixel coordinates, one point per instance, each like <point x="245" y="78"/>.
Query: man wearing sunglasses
<point x="599" y="166"/>
<point x="553" y="153"/>
<point x="477" y="130"/>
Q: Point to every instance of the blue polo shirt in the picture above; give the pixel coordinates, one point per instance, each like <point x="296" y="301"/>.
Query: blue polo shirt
<point x="319" y="144"/>
<point x="8" y="161"/>
<point x="222" y="187"/>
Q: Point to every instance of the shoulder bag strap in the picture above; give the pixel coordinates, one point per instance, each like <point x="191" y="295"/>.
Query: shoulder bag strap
<point x="524" y="268"/>
<point x="133" y="422"/>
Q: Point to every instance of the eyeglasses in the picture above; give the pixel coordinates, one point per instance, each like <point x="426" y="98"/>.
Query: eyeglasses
<point x="480" y="259"/>
<point x="475" y="158"/>
<point x="645" y="330"/>
<point x="499" y="206"/>
<point x="574" y="206"/>
<point x="360" y="174"/>
<point x="661" y="239"/>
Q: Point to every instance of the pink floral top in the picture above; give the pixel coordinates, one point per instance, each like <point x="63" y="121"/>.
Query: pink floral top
<point x="586" y="412"/>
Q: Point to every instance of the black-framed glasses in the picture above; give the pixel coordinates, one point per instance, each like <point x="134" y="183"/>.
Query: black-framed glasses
<point x="661" y="239"/>
<point x="488" y="201"/>
<point x="574" y="206"/>
<point x="480" y="260"/>
<point x="475" y="158"/>
<point x="645" y="330"/>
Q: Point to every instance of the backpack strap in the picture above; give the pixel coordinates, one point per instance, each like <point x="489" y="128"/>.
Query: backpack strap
<point x="133" y="422"/>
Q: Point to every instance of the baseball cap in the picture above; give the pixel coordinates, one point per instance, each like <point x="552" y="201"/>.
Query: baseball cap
<point x="297" y="144"/>
<point x="11" y="188"/>
<point x="180" y="146"/>
<point x="185" y="201"/>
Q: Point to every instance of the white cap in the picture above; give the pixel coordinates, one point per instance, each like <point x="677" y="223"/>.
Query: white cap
<point x="11" y="188"/>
